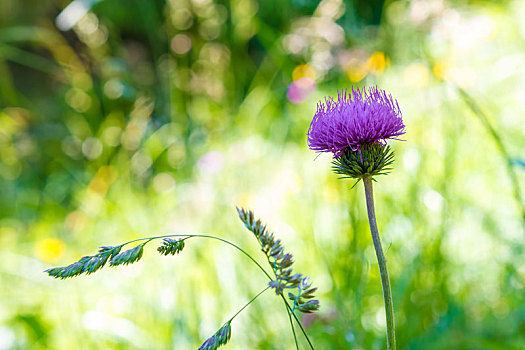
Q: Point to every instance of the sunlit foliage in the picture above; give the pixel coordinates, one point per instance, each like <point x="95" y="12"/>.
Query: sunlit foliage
<point x="134" y="118"/>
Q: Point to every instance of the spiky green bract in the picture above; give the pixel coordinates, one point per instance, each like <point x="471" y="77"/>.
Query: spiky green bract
<point x="370" y="160"/>
<point x="129" y="256"/>
<point x="221" y="337"/>
<point x="281" y="263"/>
<point x="87" y="264"/>
<point x="171" y="246"/>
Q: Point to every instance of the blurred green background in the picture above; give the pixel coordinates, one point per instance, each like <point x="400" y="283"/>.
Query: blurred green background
<point x="122" y="119"/>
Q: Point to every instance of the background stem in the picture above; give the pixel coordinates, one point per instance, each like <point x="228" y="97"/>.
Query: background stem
<point x="385" y="280"/>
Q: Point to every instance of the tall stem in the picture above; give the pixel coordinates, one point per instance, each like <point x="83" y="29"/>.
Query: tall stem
<point x="385" y="280"/>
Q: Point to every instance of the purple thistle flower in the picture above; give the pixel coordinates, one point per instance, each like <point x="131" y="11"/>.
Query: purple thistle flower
<point x="362" y="117"/>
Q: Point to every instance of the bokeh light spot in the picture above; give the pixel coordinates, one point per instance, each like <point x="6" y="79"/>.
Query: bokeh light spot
<point x="140" y="163"/>
<point x="181" y="44"/>
<point x="92" y="148"/>
<point x="182" y="18"/>
<point x="49" y="249"/>
<point x="78" y="99"/>
<point x="76" y="221"/>
<point x="163" y="183"/>
<point x="111" y="136"/>
<point x="113" y="88"/>
<point x="211" y="163"/>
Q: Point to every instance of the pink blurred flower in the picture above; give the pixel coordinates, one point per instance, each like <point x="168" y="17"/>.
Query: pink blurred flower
<point x="299" y="90"/>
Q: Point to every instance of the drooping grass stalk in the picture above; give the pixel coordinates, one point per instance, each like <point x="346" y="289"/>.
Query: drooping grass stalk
<point x="511" y="173"/>
<point x="134" y="254"/>
<point x="381" y="259"/>
<point x="299" y="287"/>
<point x="281" y="263"/>
<point x="288" y="307"/>
<point x="485" y="121"/>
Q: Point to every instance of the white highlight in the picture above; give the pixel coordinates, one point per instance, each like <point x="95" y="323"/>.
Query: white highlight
<point x="73" y="13"/>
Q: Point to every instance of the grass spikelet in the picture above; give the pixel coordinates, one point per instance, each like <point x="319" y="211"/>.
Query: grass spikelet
<point x="129" y="256"/>
<point x="281" y="263"/>
<point x="171" y="246"/>
<point x="221" y="337"/>
<point x="87" y="264"/>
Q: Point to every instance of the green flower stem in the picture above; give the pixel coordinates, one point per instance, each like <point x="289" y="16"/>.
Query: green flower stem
<point x="291" y="324"/>
<point x="385" y="280"/>
<point x="298" y="322"/>
<point x="185" y="236"/>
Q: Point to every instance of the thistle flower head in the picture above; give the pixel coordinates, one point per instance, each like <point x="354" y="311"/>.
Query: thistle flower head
<point x="361" y="117"/>
<point x="355" y="130"/>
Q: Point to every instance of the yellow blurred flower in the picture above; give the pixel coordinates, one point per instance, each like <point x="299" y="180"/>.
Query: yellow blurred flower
<point x="303" y="71"/>
<point x="377" y="62"/>
<point x="356" y="70"/>
<point x="49" y="249"/>
<point x="354" y="64"/>
<point x="463" y="77"/>
<point x="439" y="69"/>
